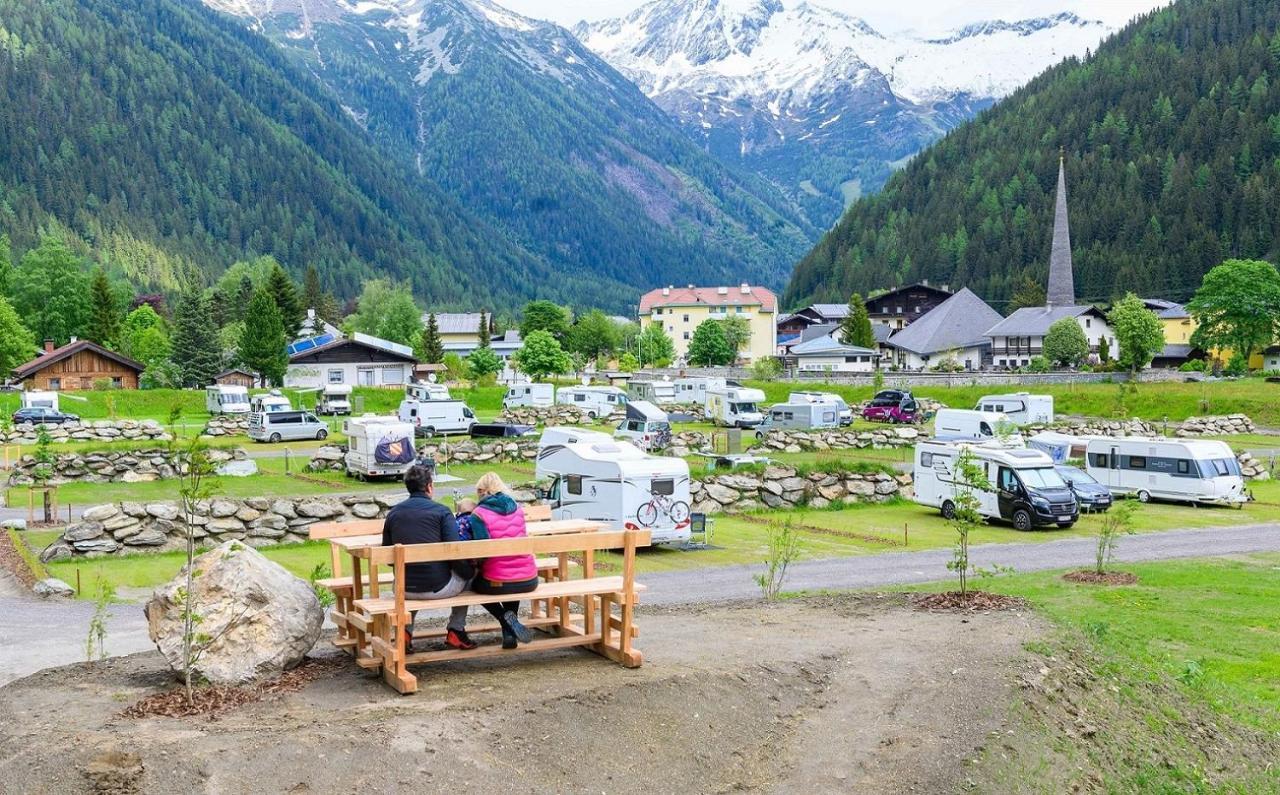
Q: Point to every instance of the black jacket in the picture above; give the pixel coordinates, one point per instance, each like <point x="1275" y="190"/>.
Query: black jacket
<point x="421" y="520"/>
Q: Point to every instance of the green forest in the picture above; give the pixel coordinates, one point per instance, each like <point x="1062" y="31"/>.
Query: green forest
<point x="1171" y="138"/>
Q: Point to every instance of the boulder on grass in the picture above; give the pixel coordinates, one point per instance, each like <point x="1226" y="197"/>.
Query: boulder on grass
<point x="52" y="586"/>
<point x="261" y="619"/>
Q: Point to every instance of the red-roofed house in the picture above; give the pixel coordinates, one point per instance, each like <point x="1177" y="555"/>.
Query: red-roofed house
<point x="679" y="310"/>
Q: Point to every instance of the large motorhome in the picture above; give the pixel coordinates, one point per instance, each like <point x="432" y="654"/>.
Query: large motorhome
<point x="735" y="407"/>
<point x="693" y="390"/>
<point x="846" y="413"/>
<point x="1025" y="488"/>
<point x="596" y="401"/>
<point x="226" y="399"/>
<point x="269" y="402"/>
<point x="799" y="415"/>
<point x="431" y="417"/>
<point x="426" y="390"/>
<point x="527" y="394"/>
<point x="963" y="424"/>
<point x="617" y="483"/>
<point x="1179" y="470"/>
<point x="1022" y="408"/>
<point x="378" y="446"/>
<point x="657" y="392"/>
<point x="334" y="399"/>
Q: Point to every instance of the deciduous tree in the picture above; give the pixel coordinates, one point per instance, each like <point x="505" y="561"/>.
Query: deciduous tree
<point x="737" y="332"/>
<point x="653" y="346"/>
<point x="544" y="316"/>
<point x="709" y="348"/>
<point x="593" y="335"/>
<point x="1139" y="335"/>
<point x="1065" y="343"/>
<point x="1237" y="307"/>
<point x="51" y="292"/>
<point x="17" y="345"/>
<point x="540" y="355"/>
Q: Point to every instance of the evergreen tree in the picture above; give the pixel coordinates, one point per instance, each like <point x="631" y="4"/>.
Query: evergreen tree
<point x="104" y="320"/>
<point x="709" y="348"/>
<point x="314" y="296"/>
<point x="483" y="330"/>
<point x="17" y="346"/>
<point x="1028" y="293"/>
<point x="855" y="329"/>
<point x="285" y="294"/>
<point x="6" y="265"/>
<point x="432" y="345"/>
<point x="51" y="292"/>
<point x="197" y="352"/>
<point x="262" y="346"/>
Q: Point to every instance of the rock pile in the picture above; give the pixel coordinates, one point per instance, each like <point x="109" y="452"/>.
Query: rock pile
<point x="1095" y="427"/>
<point x="120" y="528"/>
<point x="784" y="487"/>
<point x="89" y="431"/>
<point x="686" y="442"/>
<point x="801" y="441"/>
<point x="1216" y="426"/>
<point x="468" y="451"/>
<point x="1253" y="469"/>
<point x="129" y="466"/>
<point x="227" y="425"/>
<point x="558" y="414"/>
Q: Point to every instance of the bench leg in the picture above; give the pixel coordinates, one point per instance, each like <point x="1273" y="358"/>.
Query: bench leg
<point x="389" y="644"/>
<point x="616" y="634"/>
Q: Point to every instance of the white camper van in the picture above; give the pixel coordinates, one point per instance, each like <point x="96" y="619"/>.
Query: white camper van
<point x="596" y="401"/>
<point x="846" y="413"/>
<point x="425" y="390"/>
<point x="269" y="402"/>
<point x="963" y="424"/>
<point x="38" y="399"/>
<point x="1022" y="408"/>
<point x="1180" y="470"/>
<point x="735" y="407"/>
<point x="226" y="399"/>
<point x="657" y="392"/>
<point x="617" y="483"/>
<point x="378" y="446"/>
<point x="1026" y="490"/>
<point x="561" y="434"/>
<point x="431" y="417"/>
<point x="526" y="394"/>
<point x="693" y="390"/>
<point x="646" y="426"/>
<point x="334" y="399"/>
<point x="799" y="415"/>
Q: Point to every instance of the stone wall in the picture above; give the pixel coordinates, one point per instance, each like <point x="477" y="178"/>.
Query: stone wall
<point x="498" y="451"/>
<point x="839" y="439"/>
<point x="121" y="528"/>
<point x="1253" y="469"/>
<point x="126" y="466"/>
<point x="227" y="426"/>
<point x="1093" y="427"/>
<point x="558" y="414"/>
<point x="1215" y="426"/>
<point x="783" y="487"/>
<point x="90" y="431"/>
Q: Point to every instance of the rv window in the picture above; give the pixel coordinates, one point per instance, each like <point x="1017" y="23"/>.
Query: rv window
<point x="788" y="415"/>
<point x="1184" y="466"/>
<point x="580" y="398"/>
<point x="1100" y="460"/>
<point x="829" y="416"/>
<point x="1007" y="481"/>
<point x="1221" y="467"/>
<point x="553" y="493"/>
<point x="1137" y="462"/>
<point x="573" y="484"/>
<point x="985" y="429"/>
<point x="665" y="487"/>
<point x="926" y="460"/>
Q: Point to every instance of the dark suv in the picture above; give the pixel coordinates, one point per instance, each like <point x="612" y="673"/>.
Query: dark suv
<point x="40" y="415"/>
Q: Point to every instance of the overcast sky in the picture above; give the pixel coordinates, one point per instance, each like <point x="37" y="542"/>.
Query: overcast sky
<point x="887" y="15"/>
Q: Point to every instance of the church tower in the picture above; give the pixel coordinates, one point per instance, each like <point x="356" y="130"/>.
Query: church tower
<point x="1062" y="286"/>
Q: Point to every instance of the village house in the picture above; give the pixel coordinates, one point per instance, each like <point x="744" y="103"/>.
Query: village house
<point x="78" y="365"/>
<point x="680" y="310"/>
<point x="902" y="306"/>
<point x="954" y="329"/>
<point x="361" y="360"/>
<point x="827" y="354"/>
<point x="236" y="377"/>
<point x="459" y="331"/>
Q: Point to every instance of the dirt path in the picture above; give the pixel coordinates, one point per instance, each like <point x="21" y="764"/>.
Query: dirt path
<point x="850" y="694"/>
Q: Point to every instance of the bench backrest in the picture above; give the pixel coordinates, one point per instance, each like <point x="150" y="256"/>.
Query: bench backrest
<point x="536" y="545"/>
<point x="537" y="512"/>
<point x="355" y="527"/>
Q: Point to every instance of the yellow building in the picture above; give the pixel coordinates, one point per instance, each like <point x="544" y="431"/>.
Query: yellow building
<point x="679" y="311"/>
<point x="1179" y="325"/>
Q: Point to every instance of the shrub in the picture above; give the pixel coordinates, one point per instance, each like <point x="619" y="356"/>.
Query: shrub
<point x="1039" y="364"/>
<point x="1194" y="366"/>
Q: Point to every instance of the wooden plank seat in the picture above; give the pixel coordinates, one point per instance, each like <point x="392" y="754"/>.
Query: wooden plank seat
<point x="545" y="566"/>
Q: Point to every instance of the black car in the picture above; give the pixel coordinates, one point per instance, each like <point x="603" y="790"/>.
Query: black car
<point x="1092" y="496"/>
<point x="40" y="415"/>
<point x="490" y="430"/>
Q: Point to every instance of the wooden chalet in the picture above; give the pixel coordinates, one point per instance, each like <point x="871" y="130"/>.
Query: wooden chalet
<point x="78" y="365"/>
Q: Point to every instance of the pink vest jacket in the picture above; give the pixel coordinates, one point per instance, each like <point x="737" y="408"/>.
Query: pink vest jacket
<point x="506" y="568"/>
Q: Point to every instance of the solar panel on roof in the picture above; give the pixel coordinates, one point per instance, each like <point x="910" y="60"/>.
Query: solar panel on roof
<point x="310" y="342"/>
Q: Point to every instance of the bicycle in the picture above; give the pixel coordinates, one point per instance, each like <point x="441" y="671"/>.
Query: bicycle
<point x="648" y="513"/>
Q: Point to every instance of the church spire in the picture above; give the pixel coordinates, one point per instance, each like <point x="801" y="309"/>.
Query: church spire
<point x="1062" y="288"/>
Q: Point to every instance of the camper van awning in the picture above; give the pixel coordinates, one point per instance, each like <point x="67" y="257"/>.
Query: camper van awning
<point x="644" y="410"/>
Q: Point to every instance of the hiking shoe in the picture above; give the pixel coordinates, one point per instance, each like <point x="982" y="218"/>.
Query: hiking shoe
<point x="458" y="639"/>
<point x="408" y="639"/>
<point x="508" y="639"/>
<point x="519" y="630"/>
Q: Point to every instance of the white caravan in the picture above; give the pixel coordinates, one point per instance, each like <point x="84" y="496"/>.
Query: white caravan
<point x="657" y="392"/>
<point x="596" y="401"/>
<point x="40" y="399"/>
<point x="378" y="446"/>
<point x="963" y="424"/>
<point x="1025" y="488"/>
<point x="1181" y="470"/>
<point x="1022" y="408"/>
<point x="846" y="412"/>
<point x="693" y="390"/>
<point x="735" y="407"/>
<point x="799" y="415"/>
<point x="526" y="394"/>
<point x="269" y="402"/>
<point x="431" y="417"/>
<point x="426" y="390"/>
<point x="334" y="399"/>
<point x="226" y="399"/>
<point x="617" y="483"/>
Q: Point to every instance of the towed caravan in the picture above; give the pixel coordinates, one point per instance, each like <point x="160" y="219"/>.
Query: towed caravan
<point x="1025" y="488"/>
<point x="799" y="415"/>
<point x="378" y="446"/>
<point x="527" y="394"/>
<point x="39" y="399"/>
<point x="1022" y="408"/>
<point x="1179" y="470"/>
<point x="693" y="390"/>
<point x="846" y="413"/>
<point x="596" y="401"/>
<point x="226" y="399"/>
<point x="663" y="391"/>
<point x="958" y="424"/>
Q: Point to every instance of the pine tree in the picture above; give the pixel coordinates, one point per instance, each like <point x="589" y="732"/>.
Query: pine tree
<point x="484" y="330"/>
<point x="314" y="296"/>
<point x="285" y="294"/>
<point x="196" y="351"/>
<point x="104" y="317"/>
<point x="262" y="347"/>
<point x="432" y="345"/>
<point x="855" y="329"/>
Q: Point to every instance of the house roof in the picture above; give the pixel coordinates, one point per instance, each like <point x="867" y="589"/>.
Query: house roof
<point x="961" y="321"/>
<point x="831" y="311"/>
<point x="71" y="349"/>
<point x="827" y="345"/>
<point x="917" y="286"/>
<point x="1175" y="351"/>
<point x="816" y="331"/>
<point x="365" y="341"/>
<point x="455" y="322"/>
<point x="1034" y="321"/>
<point x="313" y="326"/>
<point x="233" y="371"/>
<point x="1173" y="312"/>
<point x="710" y="296"/>
<point x="882" y="332"/>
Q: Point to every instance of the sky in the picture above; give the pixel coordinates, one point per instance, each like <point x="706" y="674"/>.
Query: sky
<point x="927" y="16"/>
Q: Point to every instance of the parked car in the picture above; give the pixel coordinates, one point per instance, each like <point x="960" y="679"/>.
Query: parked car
<point x="278" y="426"/>
<point x="39" y="415"/>
<point x="892" y="405"/>
<point x="1092" y="495"/>
<point x="490" y="430"/>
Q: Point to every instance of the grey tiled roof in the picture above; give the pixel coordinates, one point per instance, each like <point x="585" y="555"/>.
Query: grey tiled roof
<point x="1175" y="351"/>
<point x="456" y="322"/>
<point x="882" y="331"/>
<point x="961" y="321"/>
<point x="1034" y="321"/>
<point x="827" y="345"/>
<point x="1062" y="288"/>
<point x="832" y="311"/>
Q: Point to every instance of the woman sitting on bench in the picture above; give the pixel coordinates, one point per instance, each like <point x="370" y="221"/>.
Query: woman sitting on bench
<point x="498" y="516"/>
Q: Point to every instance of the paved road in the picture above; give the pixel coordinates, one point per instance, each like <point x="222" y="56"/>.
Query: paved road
<point x="35" y="634"/>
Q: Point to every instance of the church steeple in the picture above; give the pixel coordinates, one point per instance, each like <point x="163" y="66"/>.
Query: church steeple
<point x="1062" y="287"/>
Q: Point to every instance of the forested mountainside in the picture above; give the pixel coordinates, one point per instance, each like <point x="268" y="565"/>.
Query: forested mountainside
<point x="1171" y="134"/>
<point x="533" y="132"/>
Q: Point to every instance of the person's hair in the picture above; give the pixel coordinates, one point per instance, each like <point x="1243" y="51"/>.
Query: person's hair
<point x="490" y="483"/>
<point x="417" y="479"/>
<point x="465" y="504"/>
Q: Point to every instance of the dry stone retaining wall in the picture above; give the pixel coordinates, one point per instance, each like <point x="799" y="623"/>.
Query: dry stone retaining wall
<point x="227" y="426"/>
<point x="127" y="466"/>
<point x="783" y="487"/>
<point x="558" y="414"/>
<point x="505" y="451"/>
<point x="801" y="441"/>
<point x="89" y="431"/>
<point x="1216" y="426"/>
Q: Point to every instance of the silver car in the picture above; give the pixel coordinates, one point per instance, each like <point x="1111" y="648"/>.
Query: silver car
<point x="279" y="426"/>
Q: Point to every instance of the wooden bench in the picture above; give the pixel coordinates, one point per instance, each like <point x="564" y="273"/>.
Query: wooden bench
<point x="377" y="622"/>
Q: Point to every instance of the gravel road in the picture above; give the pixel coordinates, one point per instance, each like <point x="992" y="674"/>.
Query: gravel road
<point x="36" y="634"/>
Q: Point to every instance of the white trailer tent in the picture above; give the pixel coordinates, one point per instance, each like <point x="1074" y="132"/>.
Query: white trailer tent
<point x="226" y="399"/>
<point x="846" y="412"/>
<point x="659" y="392"/>
<point x="1025" y="489"/>
<point x="40" y="399"/>
<point x="596" y="401"/>
<point x="617" y="483"/>
<point x="1021" y="408"/>
<point x="527" y="394"/>
<point x="693" y="390"/>
<point x="735" y="407"/>
<point x="1179" y="470"/>
<point x="378" y="446"/>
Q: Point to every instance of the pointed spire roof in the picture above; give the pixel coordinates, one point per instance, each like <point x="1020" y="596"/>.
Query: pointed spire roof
<point x="1062" y="286"/>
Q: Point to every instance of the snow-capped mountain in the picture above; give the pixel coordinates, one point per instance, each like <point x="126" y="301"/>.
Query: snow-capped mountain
<point x="819" y="101"/>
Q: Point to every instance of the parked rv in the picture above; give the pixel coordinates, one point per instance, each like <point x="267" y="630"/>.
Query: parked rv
<point x="269" y="402"/>
<point x="1022" y="408"/>
<point x="426" y="390"/>
<point x="619" y="484"/>
<point x="334" y="399"/>
<point x="285" y="426"/>
<point x="39" y="399"/>
<point x="693" y="390"/>
<point x="846" y="413"/>
<point x="378" y="446"/>
<point x="562" y="434"/>
<point x="735" y="407"/>
<point x="960" y="424"/>
<point x="226" y="399"/>
<point x="596" y="401"/>
<point x="526" y="394"/>
<point x="1092" y="496"/>
<point x="657" y="392"/>
<point x="1179" y="470"/>
<point x="892" y="405"/>
<point x="431" y="417"/>
<point x="646" y="426"/>
<point x="1025" y="490"/>
<point x="799" y="415"/>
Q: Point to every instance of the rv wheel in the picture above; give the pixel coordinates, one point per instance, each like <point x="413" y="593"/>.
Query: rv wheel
<point x="591" y="415"/>
<point x="1144" y="496"/>
<point x="1021" y="520"/>
<point x="948" y="510"/>
<point x="429" y="431"/>
<point x="321" y="434"/>
<point x="275" y="437"/>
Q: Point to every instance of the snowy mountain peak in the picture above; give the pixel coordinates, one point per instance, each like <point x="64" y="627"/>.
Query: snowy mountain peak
<point x="1023" y="27"/>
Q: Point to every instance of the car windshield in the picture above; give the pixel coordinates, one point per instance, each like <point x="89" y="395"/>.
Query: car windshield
<point x="1219" y="467"/>
<point x="744" y="408"/>
<point x="1075" y="475"/>
<point x="1041" y="478"/>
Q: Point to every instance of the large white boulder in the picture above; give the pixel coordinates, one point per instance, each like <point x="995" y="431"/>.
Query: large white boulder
<point x="260" y="619"/>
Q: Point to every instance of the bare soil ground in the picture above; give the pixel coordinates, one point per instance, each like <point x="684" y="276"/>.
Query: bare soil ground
<point x="856" y="694"/>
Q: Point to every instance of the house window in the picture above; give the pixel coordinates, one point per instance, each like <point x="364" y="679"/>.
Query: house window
<point x="899" y="310"/>
<point x="671" y="328"/>
<point x="686" y="335"/>
<point x="686" y="318"/>
<point x="55" y="384"/>
<point x="737" y="310"/>
<point x="393" y="375"/>
<point x="335" y="376"/>
<point x="1088" y="322"/>
<point x="117" y="382"/>
<point x="365" y="375"/>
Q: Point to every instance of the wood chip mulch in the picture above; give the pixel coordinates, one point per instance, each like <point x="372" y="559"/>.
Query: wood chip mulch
<point x="1106" y="578"/>
<point x="972" y="602"/>
<point x="214" y="700"/>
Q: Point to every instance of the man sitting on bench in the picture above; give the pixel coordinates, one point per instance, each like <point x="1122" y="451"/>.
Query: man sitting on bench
<point x="422" y="520"/>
